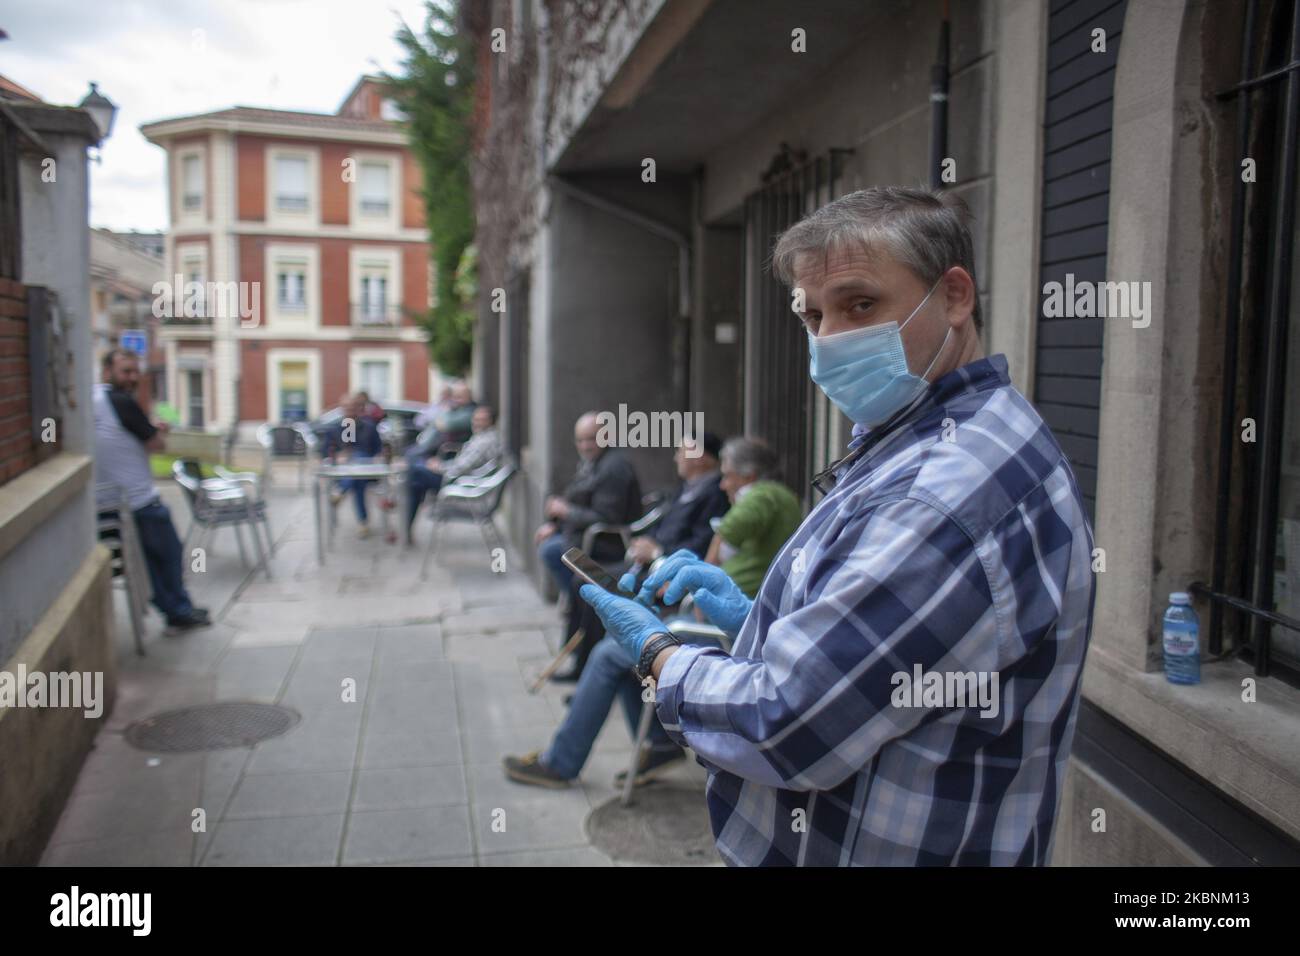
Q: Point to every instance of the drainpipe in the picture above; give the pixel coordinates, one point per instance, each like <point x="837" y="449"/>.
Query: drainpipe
<point x="680" y="239"/>
<point x="939" y="105"/>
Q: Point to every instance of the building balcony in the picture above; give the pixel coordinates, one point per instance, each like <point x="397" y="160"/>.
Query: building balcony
<point x="369" y="316"/>
<point x="195" y="321"/>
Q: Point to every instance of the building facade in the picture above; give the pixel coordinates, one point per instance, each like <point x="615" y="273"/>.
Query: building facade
<point x="635" y="162"/>
<point x="306" y="233"/>
<point x="55" y="578"/>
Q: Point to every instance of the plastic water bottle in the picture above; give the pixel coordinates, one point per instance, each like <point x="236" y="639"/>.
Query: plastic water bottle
<point x="1182" y="641"/>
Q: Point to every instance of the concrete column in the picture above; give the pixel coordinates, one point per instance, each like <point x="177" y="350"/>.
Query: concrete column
<point x="222" y="268"/>
<point x="1020" y="76"/>
<point x="1142" y="245"/>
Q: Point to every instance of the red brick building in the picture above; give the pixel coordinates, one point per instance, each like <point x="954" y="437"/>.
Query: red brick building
<point x="310" y="227"/>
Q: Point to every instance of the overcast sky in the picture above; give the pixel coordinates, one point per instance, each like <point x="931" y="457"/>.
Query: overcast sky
<point x="158" y="59"/>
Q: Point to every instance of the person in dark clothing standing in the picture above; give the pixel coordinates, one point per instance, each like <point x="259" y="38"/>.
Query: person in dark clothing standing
<point x="604" y="488"/>
<point x="124" y="437"/>
<point x="686" y="524"/>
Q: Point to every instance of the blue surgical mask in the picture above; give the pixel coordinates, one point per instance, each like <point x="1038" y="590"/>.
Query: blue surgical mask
<point x="864" y="371"/>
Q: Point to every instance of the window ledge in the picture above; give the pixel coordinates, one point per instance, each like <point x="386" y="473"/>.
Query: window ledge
<point x="28" y="500"/>
<point x="1247" y="750"/>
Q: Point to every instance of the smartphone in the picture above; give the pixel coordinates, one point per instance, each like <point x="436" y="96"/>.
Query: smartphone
<point x="580" y="564"/>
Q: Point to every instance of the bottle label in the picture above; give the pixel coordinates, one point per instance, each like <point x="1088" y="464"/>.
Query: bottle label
<point x="1179" y="641"/>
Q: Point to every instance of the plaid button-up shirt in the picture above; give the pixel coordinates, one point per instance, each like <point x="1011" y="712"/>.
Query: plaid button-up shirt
<point x="957" y="547"/>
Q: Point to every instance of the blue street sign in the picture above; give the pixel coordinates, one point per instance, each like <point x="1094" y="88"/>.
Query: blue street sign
<point x="134" y="340"/>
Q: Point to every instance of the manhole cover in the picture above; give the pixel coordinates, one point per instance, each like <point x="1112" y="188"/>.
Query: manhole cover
<point x="210" y="727"/>
<point x="666" y="826"/>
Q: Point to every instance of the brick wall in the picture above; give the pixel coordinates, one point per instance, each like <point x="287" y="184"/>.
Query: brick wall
<point x="334" y="195"/>
<point x="251" y="177"/>
<point x="17" y="450"/>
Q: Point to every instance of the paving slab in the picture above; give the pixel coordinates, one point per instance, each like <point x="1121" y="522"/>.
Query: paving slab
<point x="394" y="836"/>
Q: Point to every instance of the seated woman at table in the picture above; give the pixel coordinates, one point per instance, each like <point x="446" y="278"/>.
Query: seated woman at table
<point x="355" y="439"/>
<point x="484" y="446"/>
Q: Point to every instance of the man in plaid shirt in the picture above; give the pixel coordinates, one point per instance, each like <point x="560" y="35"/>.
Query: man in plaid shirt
<point x="904" y="689"/>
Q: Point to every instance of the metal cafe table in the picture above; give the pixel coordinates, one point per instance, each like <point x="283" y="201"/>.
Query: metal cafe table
<point x="389" y="474"/>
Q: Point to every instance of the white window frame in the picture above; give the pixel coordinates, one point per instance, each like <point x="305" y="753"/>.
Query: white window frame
<point x="361" y="257"/>
<point x="293" y="320"/>
<point x="396" y="371"/>
<point x="286" y="218"/>
<point x="183" y="384"/>
<point x="187" y="252"/>
<point x="190" y="217"/>
<point x="274" y="358"/>
<point x="372" y="223"/>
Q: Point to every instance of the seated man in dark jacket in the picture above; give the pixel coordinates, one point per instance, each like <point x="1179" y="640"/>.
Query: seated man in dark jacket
<point x="604" y="489"/>
<point x="685" y="524"/>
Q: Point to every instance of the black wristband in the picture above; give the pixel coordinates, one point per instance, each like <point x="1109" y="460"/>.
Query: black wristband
<point x="652" y="649"/>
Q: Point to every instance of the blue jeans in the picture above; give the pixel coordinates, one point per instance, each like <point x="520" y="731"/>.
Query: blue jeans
<point x="162" y="555"/>
<point x="549" y="552"/>
<point x="419" y="481"/>
<point x="358" y="487"/>
<point x="608" y="674"/>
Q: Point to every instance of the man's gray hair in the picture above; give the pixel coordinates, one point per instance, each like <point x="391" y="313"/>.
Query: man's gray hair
<point x="749" y="457"/>
<point x="927" y="232"/>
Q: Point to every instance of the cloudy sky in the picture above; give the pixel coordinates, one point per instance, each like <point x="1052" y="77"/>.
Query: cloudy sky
<point x="162" y="58"/>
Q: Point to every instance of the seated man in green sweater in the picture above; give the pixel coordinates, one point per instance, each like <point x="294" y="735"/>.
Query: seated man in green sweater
<point x="764" y="513"/>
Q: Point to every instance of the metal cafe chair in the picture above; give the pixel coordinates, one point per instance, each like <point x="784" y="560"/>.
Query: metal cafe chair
<point x="291" y="442"/>
<point x="217" y="503"/>
<point x="471" y="498"/>
<point x="127" y="562"/>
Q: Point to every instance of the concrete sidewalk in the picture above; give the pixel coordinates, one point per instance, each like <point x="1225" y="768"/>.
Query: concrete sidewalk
<point x="409" y="773"/>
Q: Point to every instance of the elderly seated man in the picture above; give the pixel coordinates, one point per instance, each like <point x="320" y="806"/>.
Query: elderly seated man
<point x="452" y="422"/>
<point x="483" y="448"/>
<point x="764" y="514"/>
<point x="603" y="489"/>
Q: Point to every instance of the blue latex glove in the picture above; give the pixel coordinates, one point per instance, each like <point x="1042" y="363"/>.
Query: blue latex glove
<point x="719" y="597"/>
<point x="626" y="621"/>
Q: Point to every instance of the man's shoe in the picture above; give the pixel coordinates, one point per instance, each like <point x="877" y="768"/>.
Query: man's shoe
<point x="653" y="763"/>
<point x="200" y="612"/>
<point x="529" y="769"/>
<point x="363" y="532"/>
<point x="179" y="625"/>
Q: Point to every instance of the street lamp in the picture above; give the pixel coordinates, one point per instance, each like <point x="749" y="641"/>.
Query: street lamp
<point x="101" y="109"/>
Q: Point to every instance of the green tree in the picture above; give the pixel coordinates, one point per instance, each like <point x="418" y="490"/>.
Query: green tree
<point x="436" y="90"/>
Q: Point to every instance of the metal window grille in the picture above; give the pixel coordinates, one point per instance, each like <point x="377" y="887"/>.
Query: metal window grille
<point x="1258" y="311"/>
<point x="782" y="405"/>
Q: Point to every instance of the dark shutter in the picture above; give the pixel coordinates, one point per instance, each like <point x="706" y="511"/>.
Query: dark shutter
<point x="1075" y="215"/>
